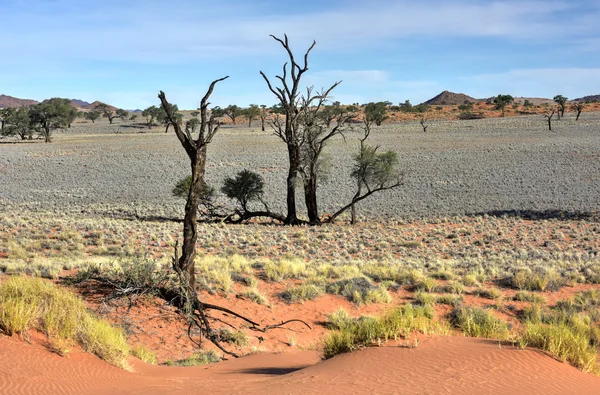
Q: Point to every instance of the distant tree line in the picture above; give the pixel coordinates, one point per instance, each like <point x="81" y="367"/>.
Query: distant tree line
<point x="43" y="119"/>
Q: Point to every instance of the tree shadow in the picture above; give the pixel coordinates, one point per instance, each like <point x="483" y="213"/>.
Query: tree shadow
<point x="271" y="371"/>
<point x="542" y="214"/>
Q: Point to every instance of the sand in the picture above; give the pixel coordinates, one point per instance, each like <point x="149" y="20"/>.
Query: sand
<point x="439" y="365"/>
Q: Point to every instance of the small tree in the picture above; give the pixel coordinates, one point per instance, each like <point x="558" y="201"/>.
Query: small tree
<point x="92" y="115"/>
<point x="423" y="124"/>
<point x="562" y="104"/>
<point x="151" y="114"/>
<point x="263" y="116"/>
<point x="501" y="101"/>
<point x="133" y="117"/>
<point x="251" y="113"/>
<point x="18" y="124"/>
<point x="549" y="118"/>
<point x="578" y="108"/>
<point x="5" y="115"/>
<point x="122" y="114"/>
<point x="377" y="112"/>
<point x="50" y="115"/>
<point x="373" y="171"/>
<point x="106" y="111"/>
<point x="245" y="187"/>
<point x="233" y="111"/>
<point x="527" y="104"/>
<point x="163" y="118"/>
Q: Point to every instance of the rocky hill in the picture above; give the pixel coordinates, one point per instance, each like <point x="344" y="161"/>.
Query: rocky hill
<point x="80" y="103"/>
<point x="589" y="99"/>
<point x="14" y="102"/>
<point x="451" y="98"/>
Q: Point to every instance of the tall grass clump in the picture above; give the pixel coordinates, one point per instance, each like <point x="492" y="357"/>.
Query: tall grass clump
<point x="348" y="334"/>
<point x="302" y="293"/>
<point x="30" y="303"/>
<point x="359" y="290"/>
<point x="477" y="322"/>
<point x="568" y="343"/>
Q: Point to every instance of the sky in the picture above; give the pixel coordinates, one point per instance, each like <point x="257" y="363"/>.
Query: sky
<point x="124" y="51"/>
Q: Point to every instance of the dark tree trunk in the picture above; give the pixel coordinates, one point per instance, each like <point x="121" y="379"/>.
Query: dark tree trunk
<point x="249" y="122"/>
<point x="188" y="251"/>
<point x="310" y="198"/>
<point x="262" y="124"/>
<point x="578" y="114"/>
<point x="294" y="159"/>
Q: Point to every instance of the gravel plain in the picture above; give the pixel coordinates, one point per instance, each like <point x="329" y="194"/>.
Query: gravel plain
<point x="457" y="167"/>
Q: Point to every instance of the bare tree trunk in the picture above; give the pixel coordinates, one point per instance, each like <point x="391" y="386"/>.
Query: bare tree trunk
<point x="262" y="123"/>
<point x="578" y="114"/>
<point x="310" y="198"/>
<point x="190" y="235"/>
<point x="294" y="158"/>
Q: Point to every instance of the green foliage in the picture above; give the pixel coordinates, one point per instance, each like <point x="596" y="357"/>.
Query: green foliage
<point x="245" y="187"/>
<point x="200" y="358"/>
<point x="476" y="322"/>
<point x="568" y="343"/>
<point x="537" y="280"/>
<point x="302" y="293"/>
<point x="501" y="101"/>
<point x="252" y="113"/>
<point x="92" y="115"/>
<point x="349" y="334"/>
<point x="144" y="354"/>
<point x="17" y="123"/>
<point x="50" y="115"/>
<point x="182" y="189"/>
<point x="376" y="112"/>
<point x="61" y="315"/>
<point x="359" y="290"/>
<point x="374" y="169"/>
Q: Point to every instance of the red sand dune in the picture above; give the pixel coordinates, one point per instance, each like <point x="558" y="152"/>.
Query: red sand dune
<point x="443" y="365"/>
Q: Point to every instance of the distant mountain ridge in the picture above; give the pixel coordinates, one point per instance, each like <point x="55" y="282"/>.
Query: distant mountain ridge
<point x="588" y="99"/>
<point x="14" y="102"/>
<point x="80" y="103"/>
<point x="451" y="98"/>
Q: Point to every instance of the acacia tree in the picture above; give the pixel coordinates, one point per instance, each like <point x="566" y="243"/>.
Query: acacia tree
<point x="289" y="130"/>
<point x="233" y="111"/>
<point x="377" y="112"/>
<point x="50" y="115"/>
<point x="578" y="108"/>
<point x="263" y="116"/>
<point x="19" y="124"/>
<point x="373" y="171"/>
<point x="501" y="101"/>
<point x="92" y="115"/>
<point x="562" y="104"/>
<point x="251" y="113"/>
<point x="5" y="115"/>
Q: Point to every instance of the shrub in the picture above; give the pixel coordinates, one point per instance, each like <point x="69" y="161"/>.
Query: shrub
<point x="537" y="280"/>
<point x="566" y="342"/>
<point x="61" y="315"/>
<point x="476" y="322"/>
<point x="350" y="333"/>
<point x="302" y="293"/>
<point x="144" y="354"/>
<point x="256" y="296"/>
<point x="359" y="290"/>
<point x="200" y="358"/>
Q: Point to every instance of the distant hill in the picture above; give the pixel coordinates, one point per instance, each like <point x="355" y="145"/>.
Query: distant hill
<point x="451" y="98"/>
<point x="80" y="103"/>
<point x="96" y="103"/>
<point x="13" y="102"/>
<point x="589" y="99"/>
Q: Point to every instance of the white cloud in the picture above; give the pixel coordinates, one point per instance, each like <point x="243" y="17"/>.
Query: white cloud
<point x="151" y="32"/>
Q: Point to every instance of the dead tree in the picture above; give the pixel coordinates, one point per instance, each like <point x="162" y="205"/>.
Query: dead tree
<point x="194" y="309"/>
<point x="317" y="128"/>
<point x="423" y="125"/>
<point x="549" y="118"/>
<point x="288" y="95"/>
<point x="578" y="107"/>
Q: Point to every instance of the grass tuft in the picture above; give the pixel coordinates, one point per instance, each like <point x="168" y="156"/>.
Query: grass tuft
<point x="476" y="322"/>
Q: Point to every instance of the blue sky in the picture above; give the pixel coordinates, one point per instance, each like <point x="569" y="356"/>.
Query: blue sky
<point x="124" y="52"/>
